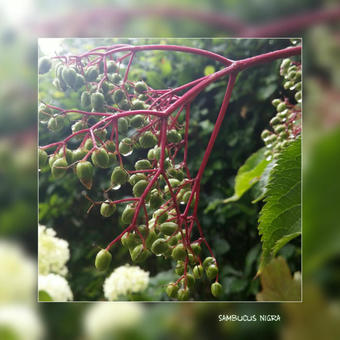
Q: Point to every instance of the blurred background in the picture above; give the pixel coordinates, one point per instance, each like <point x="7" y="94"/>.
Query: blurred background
<point x="21" y="25"/>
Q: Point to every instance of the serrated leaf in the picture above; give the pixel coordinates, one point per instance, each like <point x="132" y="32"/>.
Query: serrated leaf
<point x="278" y="283"/>
<point x="281" y="214"/>
<point x="248" y="174"/>
<point x="283" y="241"/>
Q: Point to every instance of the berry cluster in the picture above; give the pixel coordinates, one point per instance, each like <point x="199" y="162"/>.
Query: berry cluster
<point x="286" y="124"/>
<point x="117" y="117"/>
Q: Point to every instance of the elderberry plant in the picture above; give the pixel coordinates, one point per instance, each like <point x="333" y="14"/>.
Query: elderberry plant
<point x="119" y="116"/>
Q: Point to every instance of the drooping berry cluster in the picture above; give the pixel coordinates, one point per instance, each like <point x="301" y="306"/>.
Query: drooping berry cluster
<point x="286" y="124"/>
<point x="117" y="117"/>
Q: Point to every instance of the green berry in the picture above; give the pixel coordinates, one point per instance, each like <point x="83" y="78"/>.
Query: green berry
<point x="78" y="154"/>
<point x="44" y="65"/>
<point x="110" y="146"/>
<point x="274" y="121"/>
<point x="183" y="294"/>
<point x="138" y="105"/>
<point x="107" y="209"/>
<point x="125" y="146"/>
<point x="140" y="87"/>
<point x="139" y="254"/>
<point x="124" y="105"/>
<point x="139" y="188"/>
<point x="147" y="140"/>
<point x="150" y="238"/>
<point x="208" y="261"/>
<point x="43" y="157"/>
<point x="130" y="240"/>
<point x="103" y="260"/>
<point x="155" y="200"/>
<point x="122" y="125"/>
<point x="91" y="73"/>
<point x="137" y="121"/>
<point x="135" y="178"/>
<point x="111" y="66"/>
<point x="173" y="136"/>
<point x="216" y="289"/>
<point x="143" y="164"/>
<point x="84" y="171"/>
<point x="69" y="76"/>
<point x="279" y="128"/>
<point x="196" y="248"/>
<point x="115" y="78"/>
<point x="161" y="214"/>
<point x="97" y="101"/>
<point x="172" y="290"/>
<point x="67" y="154"/>
<point x="285" y="63"/>
<point x="281" y="107"/>
<point x="198" y="271"/>
<point x="179" y="269"/>
<point x="151" y="155"/>
<point x="128" y="214"/>
<point x="118" y="96"/>
<point x="119" y="176"/>
<point x="276" y="102"/>
<point x="159" y="246"/>
<point x="55" y="123"/>
<point x="59" y="168"/>
<point x="190" y="280"/>
<point x="168" y="228"/>
<point x="80" y="81"/>
<point x="179" y="252"/>
<point x="100" y="158"/>
<point x="211" y="271"/>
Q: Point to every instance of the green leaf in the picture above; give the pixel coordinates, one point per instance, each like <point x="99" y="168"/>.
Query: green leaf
<point x="248" y="174"/>
<point x="283" y="241"/>
<point x="280" y="217"/>
<point x="44" y="296"/>
<point x="278" y="283"/>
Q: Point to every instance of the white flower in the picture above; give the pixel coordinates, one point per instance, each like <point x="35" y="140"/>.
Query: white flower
<point x="21" y="322"/>
<point x="53" y="252"/>
<point x="56" y="286"/>
<point x="125" y="279"/>
<point x="104" y="320"/>
<point x="17" y="274"/>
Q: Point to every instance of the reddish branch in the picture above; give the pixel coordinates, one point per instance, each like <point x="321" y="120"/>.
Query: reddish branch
<point x="163" y="116"/>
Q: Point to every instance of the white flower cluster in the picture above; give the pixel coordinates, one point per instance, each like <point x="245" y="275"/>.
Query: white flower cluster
<point x="53" y="255"/>
<point x="53" y="252"/>
<point x="56" y="286"/>
<point x="17" y="274"/>
<point x="125" y="279"/>
<point x="106" y="320"/>
<point x="20" y="322"/>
